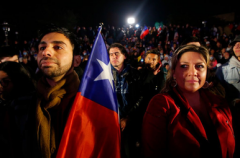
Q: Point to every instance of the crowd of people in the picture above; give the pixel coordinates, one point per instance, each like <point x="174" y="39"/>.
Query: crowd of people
<point x="178" y="89"/>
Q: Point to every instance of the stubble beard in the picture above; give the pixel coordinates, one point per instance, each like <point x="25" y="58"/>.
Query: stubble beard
<point x="52" y="72"/>
<point x="56" y="70"/>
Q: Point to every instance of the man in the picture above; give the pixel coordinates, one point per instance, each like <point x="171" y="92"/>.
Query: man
<point x="126" y="80"/>
<point x="152" y="76"/>
<point x="167" y="59"/>
<point x="228" y="74"/>
<point x="56" y="90"/>
<point x="9" y="53"/>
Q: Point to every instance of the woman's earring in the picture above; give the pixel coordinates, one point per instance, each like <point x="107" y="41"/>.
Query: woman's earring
<point x="174" y="82"/>
<point x="206" y="85"/>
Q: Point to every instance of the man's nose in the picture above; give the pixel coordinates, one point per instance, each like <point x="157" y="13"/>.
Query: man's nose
<point x="114" y="56"/>
<point x="47" y="52"/>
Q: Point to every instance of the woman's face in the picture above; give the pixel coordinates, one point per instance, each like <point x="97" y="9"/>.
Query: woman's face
<point x="190" y="72"/>
<point x="6" y="83"/>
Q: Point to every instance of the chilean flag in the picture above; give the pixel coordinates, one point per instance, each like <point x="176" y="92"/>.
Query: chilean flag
<point x="144" y="32"/>
<point x="92" y="128"/>
<point x="159" y="30"/>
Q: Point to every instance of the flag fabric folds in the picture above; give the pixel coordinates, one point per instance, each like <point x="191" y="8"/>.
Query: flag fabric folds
<point x="92" y="128"/>
<point x="144" y="32"/>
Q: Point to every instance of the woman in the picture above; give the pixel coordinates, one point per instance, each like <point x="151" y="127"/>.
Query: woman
<point x="186" y="120"/>
<point x="17" y="96"/>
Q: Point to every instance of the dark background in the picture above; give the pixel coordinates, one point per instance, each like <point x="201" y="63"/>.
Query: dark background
<point x="28" y="16"/>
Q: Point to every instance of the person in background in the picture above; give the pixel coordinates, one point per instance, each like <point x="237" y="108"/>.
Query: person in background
<point x="16" y="98"/>
<point x="128" y="90"/>
<point x="8" y="53"/>
<point x="226" y="57"/>
<point x="186" y="120"/>
<point x="191" y="40"/>
<point x="228" y="75"/>
<point x="167" y="60"/>
<point x="165" y="70"/>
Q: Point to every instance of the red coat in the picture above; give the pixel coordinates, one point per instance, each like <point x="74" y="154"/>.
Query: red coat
<point x="167" y="133"/>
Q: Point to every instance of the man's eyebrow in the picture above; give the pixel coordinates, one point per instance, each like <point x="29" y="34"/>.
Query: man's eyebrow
<point x="54" y="42"/>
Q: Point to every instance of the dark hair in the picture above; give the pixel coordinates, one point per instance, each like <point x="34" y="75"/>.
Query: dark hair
<point x="153" y="51"/>
<point x="70" y="35"/>
<point x="190" y="39"/>
<point x="19" y="76"/>
<point x="165" y="64"/>
<point x="120" y="47"/>
<point x="8" y="51"/>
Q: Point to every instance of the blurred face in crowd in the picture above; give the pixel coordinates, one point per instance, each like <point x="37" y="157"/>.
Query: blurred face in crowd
<point x="236" y="50"/>
<point x="212" y="51"/>
<point x="166" y="58"/>
<point x="167" y="67"/>
<point x="152" y="60"/>
<point x="25" y="60"/>
<point x="226" y="55"/>
<point x="190" y="72"/>
<point x="13" y="58"/>
<point x="6" y="86"/>
<point x="55" y="55"/>
<point x="116" y="58"/>
<point x="223" y="50"/>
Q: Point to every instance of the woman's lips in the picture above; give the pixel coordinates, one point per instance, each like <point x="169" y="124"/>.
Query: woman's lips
<point x="192" y="81"/>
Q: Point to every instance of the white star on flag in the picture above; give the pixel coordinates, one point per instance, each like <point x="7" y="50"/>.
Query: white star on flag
<point x="106" y="74"/>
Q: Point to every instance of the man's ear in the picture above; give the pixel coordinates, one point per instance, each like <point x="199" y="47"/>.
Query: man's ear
<point x="76" y="60"/>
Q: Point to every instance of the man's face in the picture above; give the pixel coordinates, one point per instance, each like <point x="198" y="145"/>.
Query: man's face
<point x="236" y="49"/>
<point x="226" y="55"/>
<point x="167" y="67"/>
<point x="116" y="57"/>
<point x="152" y="60"/>
<point x="55" y="55"/>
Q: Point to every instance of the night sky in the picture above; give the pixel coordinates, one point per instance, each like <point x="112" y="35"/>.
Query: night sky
<point x="28" y="16"/>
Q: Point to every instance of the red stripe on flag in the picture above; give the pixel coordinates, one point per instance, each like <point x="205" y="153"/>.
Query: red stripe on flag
<point x="92" y="130"/>
<point x="144" y="34"/>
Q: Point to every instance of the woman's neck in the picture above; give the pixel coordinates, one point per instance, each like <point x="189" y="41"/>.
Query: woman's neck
<point x="193" y="99"/>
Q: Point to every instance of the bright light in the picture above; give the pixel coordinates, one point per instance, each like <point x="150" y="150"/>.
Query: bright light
<point x="131" y="21"/>
<point x="137" y="25"/>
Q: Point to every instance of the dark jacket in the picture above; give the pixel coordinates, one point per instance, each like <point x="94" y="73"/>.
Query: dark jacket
<point x="128" y="96"/>
<point x="151" y="85"/>
<point x="14" y="115"/>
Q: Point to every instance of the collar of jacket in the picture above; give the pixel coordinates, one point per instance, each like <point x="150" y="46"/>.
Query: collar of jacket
<point x="124" y="72"/>
<point x="234" y="62"/>
<point x="212" y="100"/>
<point x="213" y="103"/>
